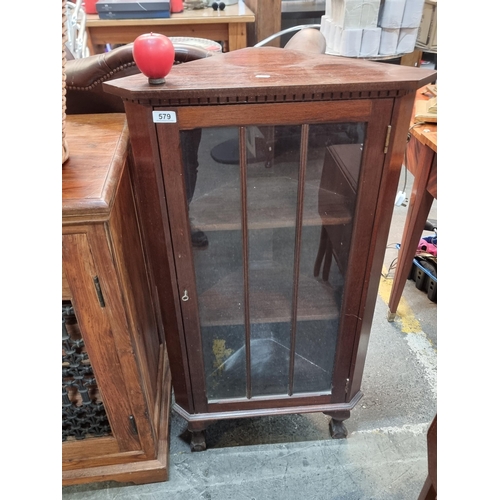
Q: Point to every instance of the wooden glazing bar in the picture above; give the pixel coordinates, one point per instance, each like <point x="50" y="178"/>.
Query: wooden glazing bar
<point x="244" y="231"/>
<point x="298" y="239"/>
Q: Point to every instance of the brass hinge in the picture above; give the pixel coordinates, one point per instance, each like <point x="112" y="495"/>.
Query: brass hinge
<point x="387" y="139"/>
<point x="99" y="291"/>
<point x="347" y="385"/>
<point x="133" y="425"/>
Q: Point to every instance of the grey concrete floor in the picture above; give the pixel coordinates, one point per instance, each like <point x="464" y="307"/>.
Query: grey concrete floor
<point x="293" y="457"/>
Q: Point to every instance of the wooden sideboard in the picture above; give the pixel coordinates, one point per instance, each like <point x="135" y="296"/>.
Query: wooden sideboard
<point x="116" y="382"/>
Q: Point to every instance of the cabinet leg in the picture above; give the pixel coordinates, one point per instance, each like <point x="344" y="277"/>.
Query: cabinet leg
<point x="337" y="428"/>
<point x="197" y="431"/>
<point x="198" y="442"/>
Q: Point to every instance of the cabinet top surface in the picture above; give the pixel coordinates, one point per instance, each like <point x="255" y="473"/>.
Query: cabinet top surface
<point x="97" y="151"/>
<point x="267" y="70"/>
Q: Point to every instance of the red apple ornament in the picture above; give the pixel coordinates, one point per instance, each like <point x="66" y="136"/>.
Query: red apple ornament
<point x="154" y="55"/>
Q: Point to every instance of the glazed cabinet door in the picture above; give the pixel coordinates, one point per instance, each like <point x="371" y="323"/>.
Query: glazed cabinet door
<point x="271" y="209"/>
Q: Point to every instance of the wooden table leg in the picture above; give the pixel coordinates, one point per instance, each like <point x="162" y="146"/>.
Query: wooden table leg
<point x="418" y="211"/>
<point x="237" y="36"/>
<point x="412" y="59"/>
<point x="90" y="43"/>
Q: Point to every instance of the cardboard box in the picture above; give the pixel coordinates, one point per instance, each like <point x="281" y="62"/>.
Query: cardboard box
<point x="353" y="14"/>
<point x="412" y="15"/>
<point x="406" y="40"/>
<point x="427" y="32"/>
<point x="370" y="42"/>
<point x="391" y="14"/>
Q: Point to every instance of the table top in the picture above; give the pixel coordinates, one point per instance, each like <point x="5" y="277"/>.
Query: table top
<point x="426" y="133"/>
<point x="236" y="13"/>
<point x="97" y="151"/>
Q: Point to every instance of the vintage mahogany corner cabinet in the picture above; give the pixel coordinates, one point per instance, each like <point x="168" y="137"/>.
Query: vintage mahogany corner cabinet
<point x="265" y="181"/>
<point x="116" y="382"/>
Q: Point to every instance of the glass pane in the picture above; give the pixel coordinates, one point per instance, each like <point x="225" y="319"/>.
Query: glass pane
<point x="272" y="181"/>
<point x="332" y="172"/>
<point x="214" y="198"/>
<point x="294" y="292"/>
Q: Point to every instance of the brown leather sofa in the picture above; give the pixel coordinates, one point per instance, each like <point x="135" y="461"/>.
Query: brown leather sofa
<point x="84" y="77"/>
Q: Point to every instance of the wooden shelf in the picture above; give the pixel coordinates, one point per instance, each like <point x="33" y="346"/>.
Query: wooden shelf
<point x="272" y="203"/>
<point x="270" y="299"/>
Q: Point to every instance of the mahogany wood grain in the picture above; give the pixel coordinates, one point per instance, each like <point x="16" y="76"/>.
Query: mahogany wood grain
<point x="251" y="114"/>
<point x="387" y="193"/>
<point x="147" y="180"/>
<point x="173" y="178"/>
<point x="268" y="86"/>
<point x="275" y="405"/>
<point x="245" y="257"/>
<point x="291" y="76"/>
<point x="364" y="237"/>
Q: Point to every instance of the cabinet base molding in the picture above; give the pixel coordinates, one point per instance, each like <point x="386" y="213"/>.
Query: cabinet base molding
<point x="138" y="471"/>
<point x="152" y="471"/>
<point x="198" y="422"/>
<point x="263" y="412"/>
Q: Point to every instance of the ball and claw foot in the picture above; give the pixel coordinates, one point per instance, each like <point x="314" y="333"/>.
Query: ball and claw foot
<point x="337" y="429"/>
<point x="198" y="442"/>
